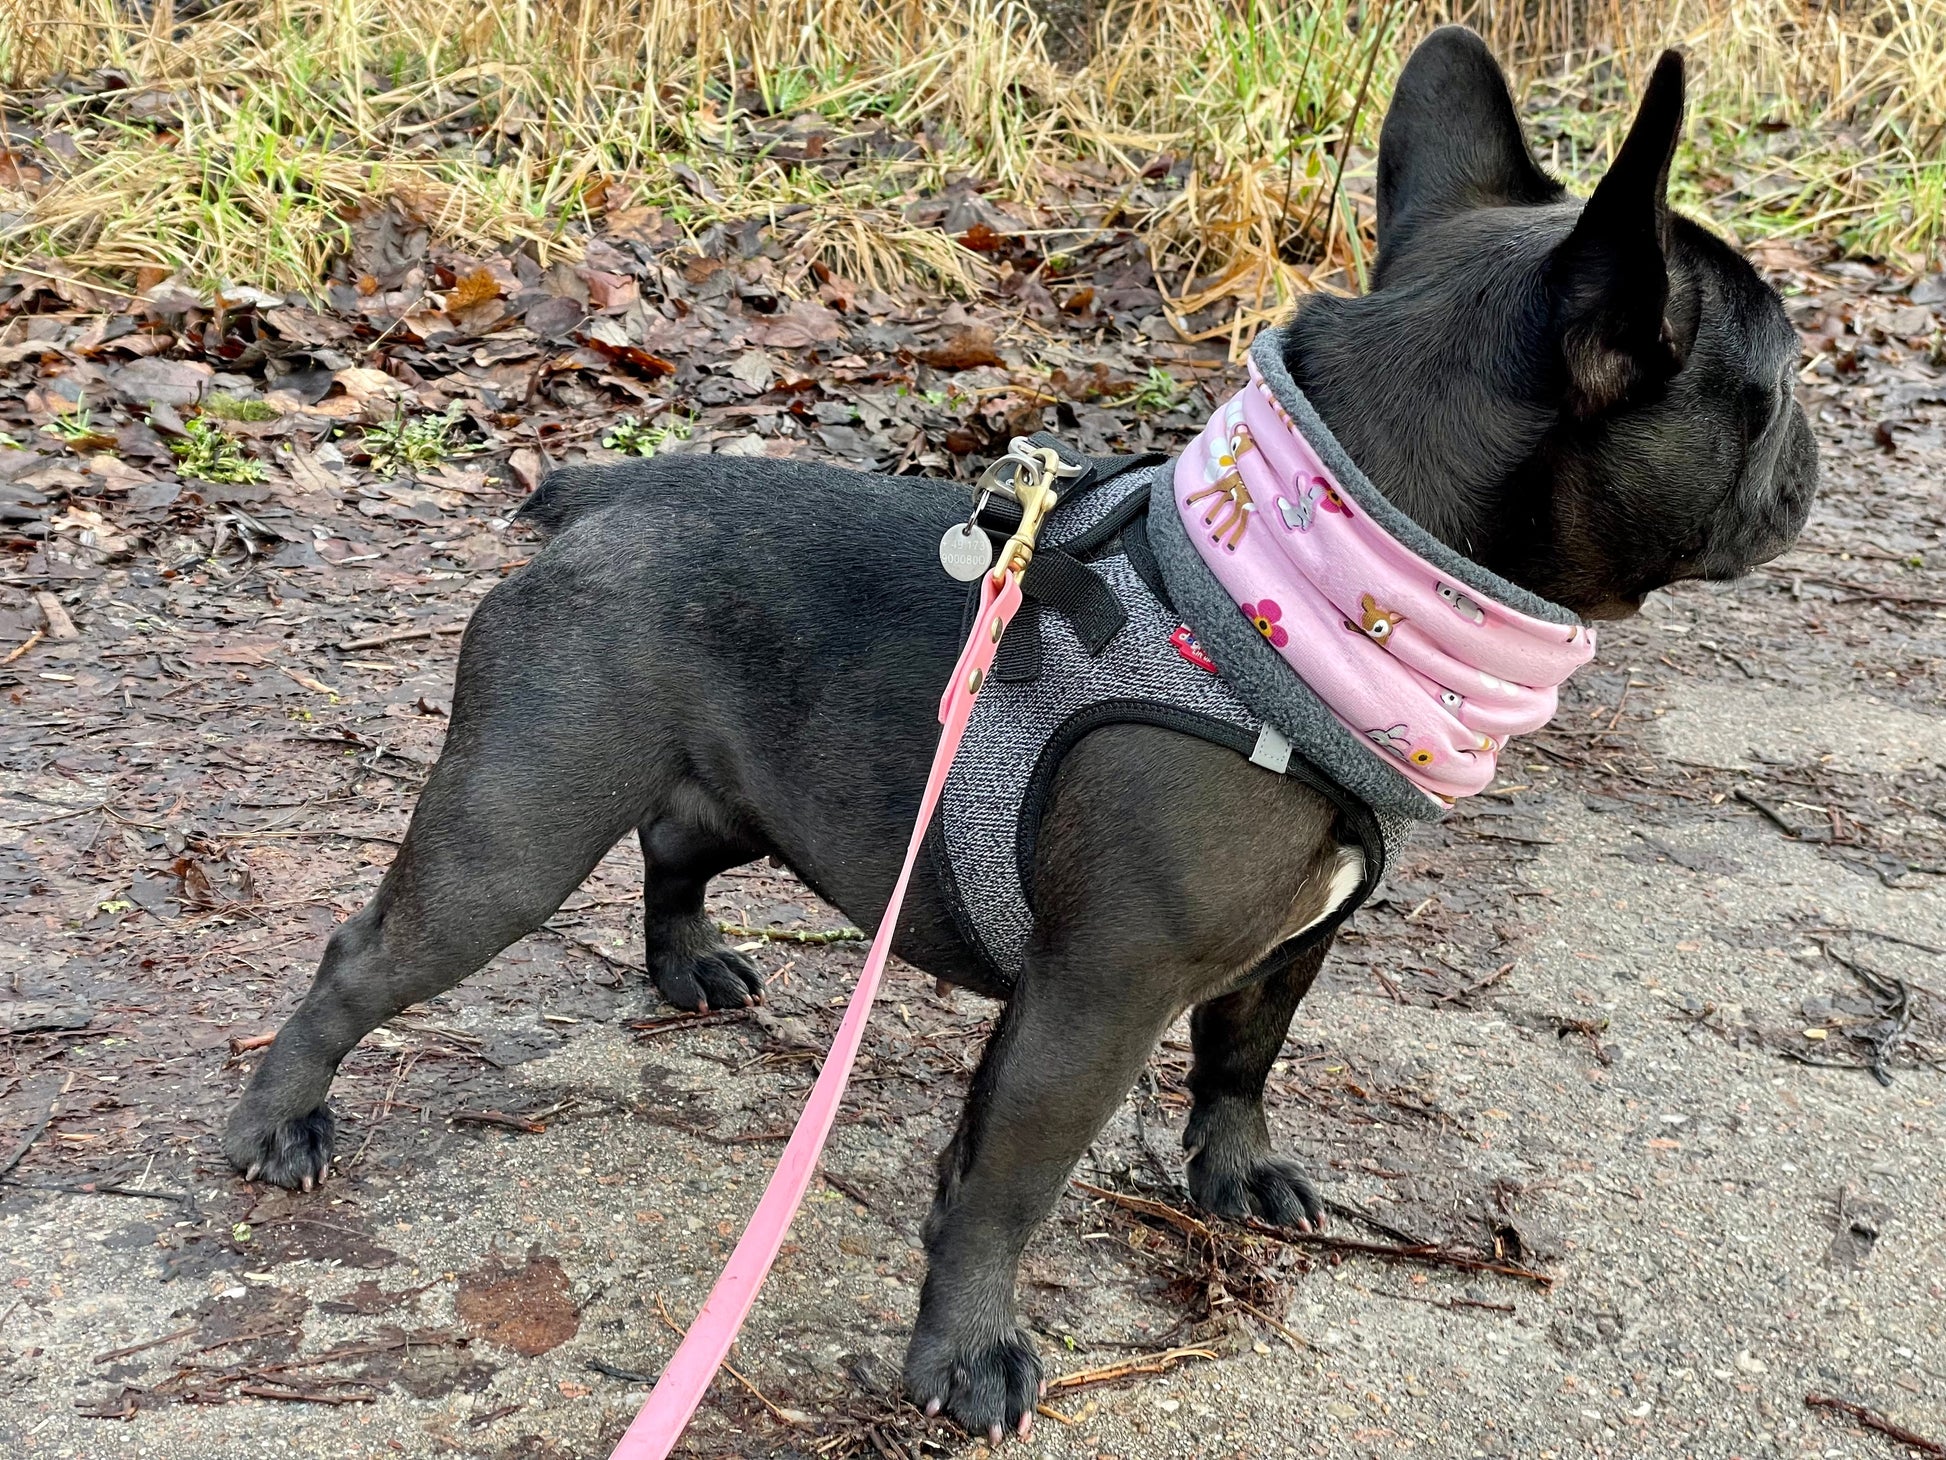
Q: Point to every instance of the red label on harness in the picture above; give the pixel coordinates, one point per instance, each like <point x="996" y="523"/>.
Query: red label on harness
<point x="1184" y="643"/>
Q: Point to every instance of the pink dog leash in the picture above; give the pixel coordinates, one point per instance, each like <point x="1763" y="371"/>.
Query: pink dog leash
<point x="701" y="1353"/>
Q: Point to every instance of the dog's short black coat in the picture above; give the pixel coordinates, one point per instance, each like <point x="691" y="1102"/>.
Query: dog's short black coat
<point x="736" y="658"/>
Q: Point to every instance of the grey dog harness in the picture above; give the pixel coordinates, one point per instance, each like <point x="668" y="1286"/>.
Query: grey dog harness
<point x="1099" y="643"/>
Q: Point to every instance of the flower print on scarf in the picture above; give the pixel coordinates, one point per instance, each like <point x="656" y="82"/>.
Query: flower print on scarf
<point x="1334" y="501"/>
<point x="1376" y="621"/>
<point x="1230" y="506"/>
<point x="1460" y="604"/>
<point x="1300" y="515"/>
<point x="1452" y="701"/>
<point x="1394" y="739"/>
<point x="1265" y="613"/>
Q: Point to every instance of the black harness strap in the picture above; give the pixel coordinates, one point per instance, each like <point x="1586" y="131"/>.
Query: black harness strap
<point x="1056" y="579"/>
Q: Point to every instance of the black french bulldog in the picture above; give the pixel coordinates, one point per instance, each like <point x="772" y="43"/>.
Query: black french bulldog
<point x="735" y="659"/>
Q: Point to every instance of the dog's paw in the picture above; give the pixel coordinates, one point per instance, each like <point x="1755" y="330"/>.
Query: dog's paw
<point x="291" y="1153"/>
<point x="1234" y="1173"/>
<point x="716" y="978"/>
<point x="988" y="1384"/>
<point x="1273" y="1188"/>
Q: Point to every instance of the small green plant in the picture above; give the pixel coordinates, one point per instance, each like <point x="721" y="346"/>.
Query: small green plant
<point x="412" y="443"/>
<point x="208" y="454"/>
<point x="6" y="440"/>
<point x="640" y="438"/>
<point x="227" y="407"/>
<point x="71" y="425"/>
<point x="1158" y="392"/>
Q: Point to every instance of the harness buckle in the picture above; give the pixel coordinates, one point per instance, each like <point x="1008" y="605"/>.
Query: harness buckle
<point x="1026" y="474"/>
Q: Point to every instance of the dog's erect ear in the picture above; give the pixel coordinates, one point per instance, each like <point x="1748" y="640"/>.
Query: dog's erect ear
<point x="1451" y="140"/>
<point x="1610" y="278"/>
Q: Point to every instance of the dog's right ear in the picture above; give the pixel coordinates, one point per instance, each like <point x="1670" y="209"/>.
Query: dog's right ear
<point x="1620" y="329"/>
<point x="1451" y="139"/>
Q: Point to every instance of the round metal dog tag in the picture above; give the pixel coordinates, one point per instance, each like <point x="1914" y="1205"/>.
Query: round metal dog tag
<point x="965" y="552"/>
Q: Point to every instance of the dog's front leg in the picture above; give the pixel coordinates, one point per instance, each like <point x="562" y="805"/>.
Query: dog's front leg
<point x="1233" y="1170"/>
<point x="1066" y="1051"/>
<point x="1163" y="872"/>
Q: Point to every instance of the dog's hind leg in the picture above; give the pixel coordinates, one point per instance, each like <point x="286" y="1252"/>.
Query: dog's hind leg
<point x="510" y="822"/>
<point x="692" y="966"/>
<point x="1233" y="1169"/>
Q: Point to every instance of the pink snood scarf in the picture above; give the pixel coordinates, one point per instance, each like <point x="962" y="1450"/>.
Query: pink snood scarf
<point x="1415" y="666"/>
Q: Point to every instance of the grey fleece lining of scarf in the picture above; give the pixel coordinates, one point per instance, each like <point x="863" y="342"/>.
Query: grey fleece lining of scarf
<point x="1256" y="672"/>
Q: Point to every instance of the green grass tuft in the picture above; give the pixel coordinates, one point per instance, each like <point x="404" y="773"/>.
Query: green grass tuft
<point x="207" y="453"/>
<point x="412" y="443"/>
<point x="640" y="438"/>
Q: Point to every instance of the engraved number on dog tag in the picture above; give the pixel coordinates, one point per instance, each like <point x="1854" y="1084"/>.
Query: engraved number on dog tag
<point x="965" y="552"/>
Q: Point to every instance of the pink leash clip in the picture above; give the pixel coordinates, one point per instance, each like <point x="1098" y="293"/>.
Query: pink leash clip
<point x="682" y="1385"/>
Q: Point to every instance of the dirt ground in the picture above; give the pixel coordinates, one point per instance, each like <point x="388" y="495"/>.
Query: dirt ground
<point x="1615" y="1024"/>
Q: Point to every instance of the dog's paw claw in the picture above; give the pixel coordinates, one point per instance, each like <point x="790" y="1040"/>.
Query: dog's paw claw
<point x="717" y="978"/>
<point x="1241" y="1180"/>
<point x="987" y="1385"/>
<point x="294" y="1153"/>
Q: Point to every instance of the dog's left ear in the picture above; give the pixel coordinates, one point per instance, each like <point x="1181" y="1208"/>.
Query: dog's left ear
<point x="1451" y="140"/>
<point x="1609" y="279"/>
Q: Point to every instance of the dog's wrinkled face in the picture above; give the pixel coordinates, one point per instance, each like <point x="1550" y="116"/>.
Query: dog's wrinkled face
<point x="1592" y="399"/>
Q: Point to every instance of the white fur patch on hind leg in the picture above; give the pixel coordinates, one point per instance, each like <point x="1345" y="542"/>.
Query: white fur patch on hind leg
<point x="1347" y="871"/>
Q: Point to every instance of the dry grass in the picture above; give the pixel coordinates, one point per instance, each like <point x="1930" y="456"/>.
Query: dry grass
<point x="239" y="135"/>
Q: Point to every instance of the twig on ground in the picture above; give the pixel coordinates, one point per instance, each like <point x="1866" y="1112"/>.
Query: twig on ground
<point x="792" y="935"/>
<point x="90" y="1188"/>
<point x="1882" y="937"/>
<point x="58" y="816"/>
<point x="1476" y="1303"/>
<point x="1767" y="811"/>
<point x="23" y="646"/>
<point x="379" y="641"/>
<point x="481" y="1421"/>
<point x="1424" y="1254"/>
<point x="839" y="1183"/>
<point x="715" y="1138"/>
<point x="1156" y="1363"/>
<point x="136" y="1348"/>
<point x="302" y="1396"/>
<point x="1473" y="988"/>
<point x="499" y="1118"/>
<point x="1366" y="1219"/>
<point x="627" y="1376"/>
<point x="784" y="1416"/>
<point x="1877" y="1422"/>
<point x="586" y="946"/>
<point x="671" y="1023"/>
<point x="27" y="1141"/>
<point x="1444" y="1302"/>
<point x="1297" y="1342"/>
